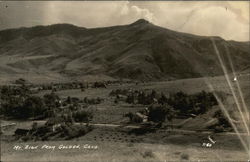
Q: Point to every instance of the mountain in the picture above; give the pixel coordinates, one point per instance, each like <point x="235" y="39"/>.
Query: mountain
<point x="140" y="50"/>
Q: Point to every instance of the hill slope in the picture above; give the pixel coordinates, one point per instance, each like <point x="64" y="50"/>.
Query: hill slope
<point x="140" y="50"/>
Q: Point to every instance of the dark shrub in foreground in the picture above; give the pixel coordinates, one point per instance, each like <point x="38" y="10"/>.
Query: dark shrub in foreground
<point x="159" y="113"/>
<point x="82" y="116"/>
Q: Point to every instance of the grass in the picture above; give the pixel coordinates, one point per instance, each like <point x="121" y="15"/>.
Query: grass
<point x="108" y="151"/>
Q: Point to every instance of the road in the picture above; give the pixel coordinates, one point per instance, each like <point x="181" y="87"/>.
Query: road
<point x="41" y="122"/>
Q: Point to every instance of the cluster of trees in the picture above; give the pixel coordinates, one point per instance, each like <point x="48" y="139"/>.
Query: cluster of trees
<point x="197" y="103"/>
<point x="159" y="113"/>
<point x="56" y="129"/>
<point x="92" y="101"/>
<point x="183" y="103"/>
<point x="99" y="85"/>
<point x="62" y="86"/>
<point x="156" y="113"/>
<point x="147" y="99"/>
<point x="18" y="103"/>
<point x="76" y="102"/>
<point x="119" y="92"/>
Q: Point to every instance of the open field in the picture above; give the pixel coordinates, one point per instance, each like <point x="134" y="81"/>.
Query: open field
<point x="108" y="150"/>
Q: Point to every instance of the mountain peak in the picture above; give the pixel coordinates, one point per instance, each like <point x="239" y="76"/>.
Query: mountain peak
<point x="141" y="21"/>
<point x="140" y="51"/>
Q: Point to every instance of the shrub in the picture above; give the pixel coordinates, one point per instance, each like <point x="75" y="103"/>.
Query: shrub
<point x="218" y="129"/>
<point x="148" y="154"/>
<point x="130" y="144"/>
<point x="223" y="121"/>
<point x="184" y="156"/>
<point x="130" y="99"/>
<point x="82" y="116"/>
<point x="159" y="113"/>
<point x="51" y="100"/>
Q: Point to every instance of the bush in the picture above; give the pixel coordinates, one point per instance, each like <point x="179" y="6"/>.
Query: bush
<point x="218" y="129"/>
<point x="82" y="116"/>
<point x="159" y="113"/>
<point x="148" y="154"/>
<point x="223" y="121"/>
<point x="51" y="100"/>
<point x="184" y="156"/>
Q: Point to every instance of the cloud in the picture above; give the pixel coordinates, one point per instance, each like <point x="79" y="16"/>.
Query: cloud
<point x="215" y="21"/>
<point x="142" y="13"/>
<point x="229" y="20"/>
<point x="224" y="19"/>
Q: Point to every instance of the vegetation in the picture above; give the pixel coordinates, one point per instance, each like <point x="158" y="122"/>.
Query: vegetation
<point x="197" y="103"/>
<point x="158" y="113"/>
<point x="223" y="120"/>
<point x="184" y="156"/>
<point x="181" y="102"/>
<point x="51" y="100"/>
<point x="64" y="131"/>
<point x="148" y="154"/>
<point x="223" y="123"/>
<point x="16" y="102"/>
<point x="83" y="116"/>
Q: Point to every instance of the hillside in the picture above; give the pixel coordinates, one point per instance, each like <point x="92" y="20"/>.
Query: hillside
<point x="139" y="51"/>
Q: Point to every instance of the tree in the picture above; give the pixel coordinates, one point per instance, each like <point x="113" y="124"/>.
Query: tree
<point x="223" y="120"/>
<point x="141" y="98"/>
<point x="51" y="100"/>
<point x="33" y="106"/>
<point x="21" y="81"/>
<point x="69" y="100"/>
<point x="163" y="99"/>
<point x="158" y="113"/>
<point x="82" y="116"/>
<point x="16" y="107"/>
<point x="130" y="99"/>
<point x="170" y="114"/>
<point x="13" y="107"/>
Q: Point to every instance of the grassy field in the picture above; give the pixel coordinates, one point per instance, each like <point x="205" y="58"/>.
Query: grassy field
<point x="118" y="151"/>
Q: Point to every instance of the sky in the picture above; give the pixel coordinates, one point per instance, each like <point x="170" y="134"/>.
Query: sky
<point x="227" y="19"/>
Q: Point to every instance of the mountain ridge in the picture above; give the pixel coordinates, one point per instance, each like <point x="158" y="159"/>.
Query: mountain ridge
<point x="141" y="51"/>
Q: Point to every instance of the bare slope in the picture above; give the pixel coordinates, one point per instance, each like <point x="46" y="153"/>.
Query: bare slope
<point x="140" y="50"/>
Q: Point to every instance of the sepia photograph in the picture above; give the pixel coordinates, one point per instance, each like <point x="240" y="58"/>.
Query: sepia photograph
<point x="124" y="81"/>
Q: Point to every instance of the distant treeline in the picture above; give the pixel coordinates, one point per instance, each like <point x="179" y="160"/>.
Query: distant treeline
<point x="68" y="85"/>
<point x="183" y="103"/>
